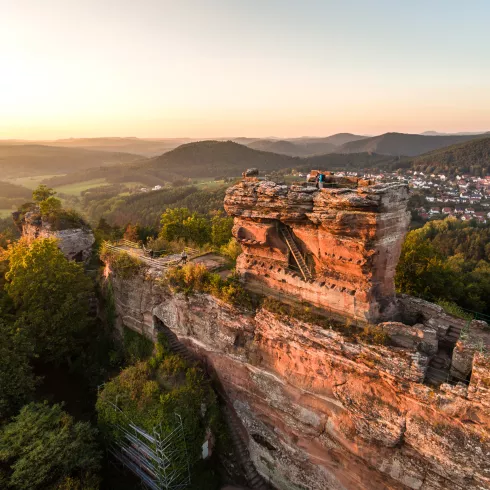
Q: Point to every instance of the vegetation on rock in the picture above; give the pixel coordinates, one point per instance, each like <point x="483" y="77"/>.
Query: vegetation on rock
<point x="122" y="263"/>
<point x="149" y="393"/>
<point x="196" y="278"/>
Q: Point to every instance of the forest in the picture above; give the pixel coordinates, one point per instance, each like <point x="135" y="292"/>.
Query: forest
<point x="62" y="364"/>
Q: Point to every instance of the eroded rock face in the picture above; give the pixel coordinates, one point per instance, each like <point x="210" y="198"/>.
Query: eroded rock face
<point x="350" y="238"/>
<point x="322" y="411"/>
<point x="75" y="243"/>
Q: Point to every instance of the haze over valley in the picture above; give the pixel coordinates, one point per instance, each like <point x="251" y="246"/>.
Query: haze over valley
<point x="244" y="245"/>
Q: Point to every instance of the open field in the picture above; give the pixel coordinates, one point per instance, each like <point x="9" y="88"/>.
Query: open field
<point x="77" y="188"/>
<point x="31" y="182"/>
<point x="5" y="213"/>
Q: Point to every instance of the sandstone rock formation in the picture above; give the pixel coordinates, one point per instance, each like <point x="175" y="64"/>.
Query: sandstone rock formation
<point x="322" y="410"/>
<point x="75" y="242"/>
<point x="348" y="236"/>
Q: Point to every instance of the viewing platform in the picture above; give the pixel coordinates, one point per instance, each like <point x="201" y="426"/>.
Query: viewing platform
<point x="163" y="263"/>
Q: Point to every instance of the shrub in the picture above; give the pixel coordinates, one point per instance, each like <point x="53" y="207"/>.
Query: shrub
<point x="196" y="278"/>
<point x="122" y="263"/>
<point x="452" y="308"/>
<point x="231" y="250"/>
<point x="136" y="347"/>
<point x="372" y="334"/>
<point x="151" y="392"/>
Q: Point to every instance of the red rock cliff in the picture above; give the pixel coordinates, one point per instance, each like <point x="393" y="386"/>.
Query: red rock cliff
<point x="323" y="411"/>
<point x="348" y="237"/>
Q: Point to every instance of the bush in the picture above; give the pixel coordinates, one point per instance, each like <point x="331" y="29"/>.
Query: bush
<point x="372" y="334"/>
<point x="151" y="392"/>
<point x="136" y="347"/>
<point x="452" y="308"/>
<point x="231" y="250"/>
<point x="122" y="263"/>
<point x="196" y="278"/>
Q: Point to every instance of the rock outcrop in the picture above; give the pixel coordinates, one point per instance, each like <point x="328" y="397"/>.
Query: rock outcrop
<point x="322" y="410"/>
<point x="74" y="240"/>
<point x="321" y="407"/>
<point x="335" y="247"/>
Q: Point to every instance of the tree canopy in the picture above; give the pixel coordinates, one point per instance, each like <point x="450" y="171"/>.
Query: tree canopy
<point x="447" y="260"/>
<point x="46" y="449"/>
<point x="50" y="294"/>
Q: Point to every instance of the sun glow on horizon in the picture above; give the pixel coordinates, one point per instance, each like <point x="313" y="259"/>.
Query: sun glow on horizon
<point x="162" y="69"/>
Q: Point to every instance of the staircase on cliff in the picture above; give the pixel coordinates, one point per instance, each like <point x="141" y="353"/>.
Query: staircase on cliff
<point x="295" y="252"/>
<point x="240" y="450"/>
<point x="440" y="365"/>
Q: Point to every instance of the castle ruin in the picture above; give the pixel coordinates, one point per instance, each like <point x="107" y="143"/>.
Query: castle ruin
<point x="336" y="247"/>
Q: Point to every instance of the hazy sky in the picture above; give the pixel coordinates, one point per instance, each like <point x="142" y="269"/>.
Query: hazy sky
<point x="204" y="68"/>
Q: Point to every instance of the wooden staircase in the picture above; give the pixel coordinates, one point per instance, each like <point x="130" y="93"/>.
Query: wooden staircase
<point x="295" y="252"/>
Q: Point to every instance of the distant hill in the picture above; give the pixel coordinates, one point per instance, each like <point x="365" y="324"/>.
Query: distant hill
<point x="139" y="146"/>
<point x="471" y="157"/>
<point x="12" y="195"/>
<point x="303" y="147"/>
<point x="20" y="160"/>
<point x="470" y="133"/>
<point x="402" y="144"/>
<point x="335" y="139"/>
<point x="212" y="159"/>
<point x="297" y="149"/>
<point x="206" y="159"/>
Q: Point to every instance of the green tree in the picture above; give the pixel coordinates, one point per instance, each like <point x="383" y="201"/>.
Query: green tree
<point x="179" y="223"/>
<point x="50" y="294"/>
<point x="221" y="227"/>
<point x="46" y="449"/>
<point x="16" y="378"/>
<point x="172" y="222"/>
<point x="422" y="271"/>
<point x="42" y="192"/>
<point x="197" y="229"/>
<point x="50" y="207"/>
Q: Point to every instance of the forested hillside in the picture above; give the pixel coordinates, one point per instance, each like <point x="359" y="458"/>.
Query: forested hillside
<point x="12" y="195"/>
<point x="447" y="261"/>
<point x="29" y="160"/>
<point x="472" y="157"/>
<point x="213" y="159"/>
<point x="399" y="144"/>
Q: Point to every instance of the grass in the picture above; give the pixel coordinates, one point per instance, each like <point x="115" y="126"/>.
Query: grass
<point x="5" y="213"/>
<point x="77" y="188"/>
<point x="31" y="182"/>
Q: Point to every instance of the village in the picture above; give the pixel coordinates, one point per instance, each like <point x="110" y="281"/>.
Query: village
<point x="464" y="197"/>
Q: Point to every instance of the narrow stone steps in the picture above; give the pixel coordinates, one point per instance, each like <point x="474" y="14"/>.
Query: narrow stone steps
<point x="241" y="452"/>
<point x="254" y="479"/>
<point x="436" y="377"/>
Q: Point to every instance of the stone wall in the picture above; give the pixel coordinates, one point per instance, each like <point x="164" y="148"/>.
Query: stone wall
<point x="321" y="410"/>
<point x="350" y="237"/>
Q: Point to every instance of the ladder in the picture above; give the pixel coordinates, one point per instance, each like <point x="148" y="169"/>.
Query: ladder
<point x="298" y="258"/>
